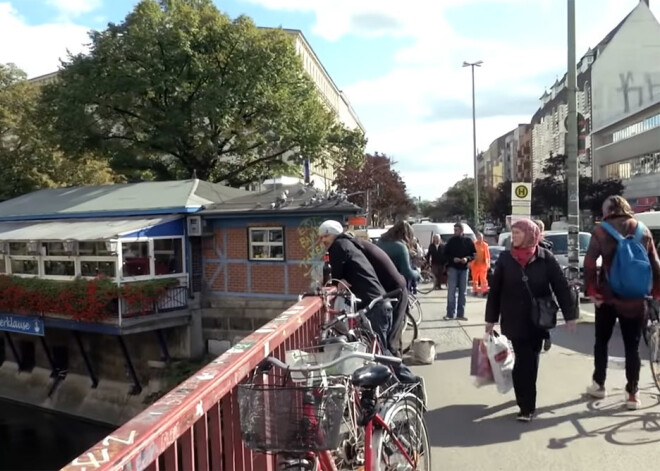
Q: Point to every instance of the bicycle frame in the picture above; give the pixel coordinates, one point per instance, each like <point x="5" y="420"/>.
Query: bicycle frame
<point x="326" y="462"/>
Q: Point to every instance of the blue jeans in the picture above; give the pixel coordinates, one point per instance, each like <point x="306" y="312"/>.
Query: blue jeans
<point x="456" y="280"/>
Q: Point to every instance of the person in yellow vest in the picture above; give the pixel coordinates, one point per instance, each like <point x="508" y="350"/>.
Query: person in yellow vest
<point x="479" y="267"/>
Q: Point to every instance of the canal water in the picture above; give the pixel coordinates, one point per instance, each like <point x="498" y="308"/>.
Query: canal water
<point x="36" y="439"/>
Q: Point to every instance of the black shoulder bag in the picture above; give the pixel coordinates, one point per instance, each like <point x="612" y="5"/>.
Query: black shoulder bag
<point x="544" y="309"/>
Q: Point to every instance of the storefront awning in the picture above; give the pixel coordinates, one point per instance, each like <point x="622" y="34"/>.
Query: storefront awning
<point x="77" y="229"/>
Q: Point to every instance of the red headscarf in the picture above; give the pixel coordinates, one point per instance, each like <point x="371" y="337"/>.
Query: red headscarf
<point x="524" y="253"/>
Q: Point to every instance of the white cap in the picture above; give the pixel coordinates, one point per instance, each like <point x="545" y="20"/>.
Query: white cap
<point x="330" y="227"/>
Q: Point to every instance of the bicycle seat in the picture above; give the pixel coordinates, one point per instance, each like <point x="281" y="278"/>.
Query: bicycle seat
<point x="371" y="376"/>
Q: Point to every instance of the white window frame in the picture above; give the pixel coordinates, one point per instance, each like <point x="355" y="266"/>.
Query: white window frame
<point x="152" y="260"/>
<point x="10" y="271"/>
<point x="184" y="260"/>
<point x="57" y="258"/>
<point x="96" y="258"/>
<point x="269" y="244"/>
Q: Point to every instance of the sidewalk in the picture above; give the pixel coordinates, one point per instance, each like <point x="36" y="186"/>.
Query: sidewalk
<point x="474" y="429"/>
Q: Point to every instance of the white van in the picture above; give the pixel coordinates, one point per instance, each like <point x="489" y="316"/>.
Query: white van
<point x="651" y="219"/>
<point x="424" y="231"/>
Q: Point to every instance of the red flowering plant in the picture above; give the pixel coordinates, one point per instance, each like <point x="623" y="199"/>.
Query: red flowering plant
<point x="81" y="299"/>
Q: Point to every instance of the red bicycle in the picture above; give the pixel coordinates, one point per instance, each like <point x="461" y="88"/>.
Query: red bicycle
<point x="301" y="423"/>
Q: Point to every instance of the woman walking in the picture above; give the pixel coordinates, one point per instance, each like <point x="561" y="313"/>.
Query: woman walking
<point x="526" y="271"/>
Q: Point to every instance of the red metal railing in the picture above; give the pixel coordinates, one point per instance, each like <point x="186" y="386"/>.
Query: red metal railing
<point x="196" y="426"/>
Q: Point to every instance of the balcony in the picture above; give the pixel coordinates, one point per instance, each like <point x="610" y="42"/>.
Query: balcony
<point x="97" y="305"/>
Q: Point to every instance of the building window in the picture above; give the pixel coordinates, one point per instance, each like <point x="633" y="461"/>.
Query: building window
<point x="59" y="268"/>
<point x="94" y="268"/>
<point x="18" y="248"/>
<point x="24" y="266"/>
<point x="168" y="256"/>
<point x="135" y="259"/>
<point x="266" y="243"/>
<point x="96" y="248"/>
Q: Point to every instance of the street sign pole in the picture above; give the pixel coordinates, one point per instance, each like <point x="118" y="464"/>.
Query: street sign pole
<point x="572" y="170"/>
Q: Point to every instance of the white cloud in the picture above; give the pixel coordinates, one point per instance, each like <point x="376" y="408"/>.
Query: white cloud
<point x="427" y="79"/>
<point x="37" y="48"/>
<point x="74" y="7"/>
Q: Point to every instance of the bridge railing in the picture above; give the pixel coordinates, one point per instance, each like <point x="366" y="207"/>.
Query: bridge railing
<point x="196" y="425"/>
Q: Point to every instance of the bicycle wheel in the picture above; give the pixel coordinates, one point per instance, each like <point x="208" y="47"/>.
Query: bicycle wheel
<point x="407" y="424"/>
<point x="409" y="333"/>
<point x="653" y="342"/>
<point x="426" y="282"/>
<point x="415" y="310"/>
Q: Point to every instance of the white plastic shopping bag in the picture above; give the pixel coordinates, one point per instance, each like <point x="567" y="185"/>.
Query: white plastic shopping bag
<point x="480" y="365"/>
<point x="501" y="360"/>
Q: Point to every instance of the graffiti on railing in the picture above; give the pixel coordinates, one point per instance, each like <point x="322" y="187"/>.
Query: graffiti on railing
<point x="93" y="460"/>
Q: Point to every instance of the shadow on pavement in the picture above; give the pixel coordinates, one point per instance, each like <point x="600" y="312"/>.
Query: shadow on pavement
<point x="471" y="425"/>
<point x="582" y="341"/>
<point x="453" y="354"/>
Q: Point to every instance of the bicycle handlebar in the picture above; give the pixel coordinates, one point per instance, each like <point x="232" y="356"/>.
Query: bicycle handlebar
<point x="386" y="360"/>
<point x="392" y="296"/>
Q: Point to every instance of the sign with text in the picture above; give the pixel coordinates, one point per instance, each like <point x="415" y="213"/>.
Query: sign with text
<point x="22" y="324"/>
<point x="521" y="192"/>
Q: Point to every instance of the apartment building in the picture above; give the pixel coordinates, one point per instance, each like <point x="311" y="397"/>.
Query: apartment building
<point x="522" y="167"/>
<point x="626" y="109"/>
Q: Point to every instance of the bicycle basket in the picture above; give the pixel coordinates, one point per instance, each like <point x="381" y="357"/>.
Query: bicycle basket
<point x="320" y="354"/>
<point x="291" y="419"/>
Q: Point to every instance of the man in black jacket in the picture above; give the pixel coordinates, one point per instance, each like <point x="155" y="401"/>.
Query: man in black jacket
<point x="350" y="264"/>
<point x="391" y="280"/>
<point x="459" y="251"/>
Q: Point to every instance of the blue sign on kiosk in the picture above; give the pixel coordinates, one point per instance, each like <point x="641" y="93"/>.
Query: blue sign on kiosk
<point x="22" y="324"/>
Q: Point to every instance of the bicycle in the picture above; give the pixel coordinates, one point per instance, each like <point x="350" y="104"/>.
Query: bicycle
<point x="415" y="309"/>
<point x="427" y="280"/>
<point x="651" y="334"/>
<point x="301" y="423"/>
<point x="575" y="284"/>
<point x="349" y="323"/>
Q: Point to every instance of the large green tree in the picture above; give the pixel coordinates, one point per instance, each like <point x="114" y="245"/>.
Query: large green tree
<point x="178" y="89"/>
<point x="28" y="160"/>
<point x="457" y="203"/>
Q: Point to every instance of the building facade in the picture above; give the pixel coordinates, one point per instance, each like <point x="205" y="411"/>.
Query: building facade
<point x="626" y="109"/>
<point x="522" y="168"/>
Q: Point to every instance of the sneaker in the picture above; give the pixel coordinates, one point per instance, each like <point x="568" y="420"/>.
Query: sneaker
<point x="596" y="390"/>
<point x="524" y="417"/>
<point x="633" y="402"/>
<point x="447" y="318"/>
<point x="547" y="344"/>
<point x="462" y="318"/>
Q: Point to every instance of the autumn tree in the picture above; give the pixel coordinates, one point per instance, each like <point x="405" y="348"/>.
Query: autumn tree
<point x="457" y="203"/>
<point x="28" y="159"/>
<point x="375" y="186"/>
<point x="178" y="89"/>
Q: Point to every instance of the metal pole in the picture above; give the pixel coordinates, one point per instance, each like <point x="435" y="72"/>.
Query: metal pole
<point x="474" y="156"/>
<point x="572" y="170"/>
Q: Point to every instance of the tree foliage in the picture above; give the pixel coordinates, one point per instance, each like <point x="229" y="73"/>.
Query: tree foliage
<point x="375" y="186"/>
<point x="178" y="89"/>
<point x="457" y="203"/>
<point x="29" y="160"/>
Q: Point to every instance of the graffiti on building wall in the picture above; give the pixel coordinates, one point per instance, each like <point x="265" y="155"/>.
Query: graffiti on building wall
<point x="636" y="93"/>
<point x="313" y="250"/>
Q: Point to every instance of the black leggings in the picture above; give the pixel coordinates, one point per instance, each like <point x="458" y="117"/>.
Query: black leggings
<point x="525" y="371"/>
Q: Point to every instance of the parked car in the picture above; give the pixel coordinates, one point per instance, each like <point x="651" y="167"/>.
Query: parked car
<point x="490" y="229"/>
<point x="495" y="251"/>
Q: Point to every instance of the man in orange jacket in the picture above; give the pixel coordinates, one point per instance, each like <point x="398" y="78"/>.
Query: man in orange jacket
<point x="480" y="266"/>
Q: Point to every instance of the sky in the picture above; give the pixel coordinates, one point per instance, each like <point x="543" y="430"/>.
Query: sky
<point x="398" y="61"/>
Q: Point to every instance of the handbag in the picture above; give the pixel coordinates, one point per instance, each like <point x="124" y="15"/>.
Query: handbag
<point x="544" y="309"/>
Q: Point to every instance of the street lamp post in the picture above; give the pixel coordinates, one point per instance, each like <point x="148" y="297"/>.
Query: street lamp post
<point x="472" y="65"/>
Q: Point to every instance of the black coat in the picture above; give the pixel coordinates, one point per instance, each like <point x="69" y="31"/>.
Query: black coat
<point x="436" y="255"/>
<point x="509" y="302"/>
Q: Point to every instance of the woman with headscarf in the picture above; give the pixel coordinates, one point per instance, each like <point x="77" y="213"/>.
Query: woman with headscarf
<point x="510" y="304"/>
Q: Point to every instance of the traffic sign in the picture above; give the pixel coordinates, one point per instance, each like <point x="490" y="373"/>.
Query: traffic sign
<point x="521" y="192"/>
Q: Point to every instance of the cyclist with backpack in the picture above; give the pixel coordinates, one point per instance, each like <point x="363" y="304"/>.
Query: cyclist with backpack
<point x="629" y="274"/>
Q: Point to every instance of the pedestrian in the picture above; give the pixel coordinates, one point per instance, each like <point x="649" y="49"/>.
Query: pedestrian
<point x="435" y="256"/>
<point x="459" y="251"/>
<point x="526" y="265"/>
<point x="546" y="244"/>
<point x="618" y="221"/>
<point x="350" y="265"/>
<point x="391" y="280"/>
<point x="480" y="265"/>
<point x="397" y="243"/>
